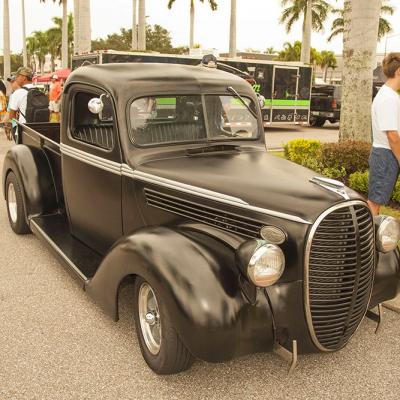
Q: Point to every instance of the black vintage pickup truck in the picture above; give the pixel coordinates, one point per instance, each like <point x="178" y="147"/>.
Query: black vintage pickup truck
<point x="151" y="177"/>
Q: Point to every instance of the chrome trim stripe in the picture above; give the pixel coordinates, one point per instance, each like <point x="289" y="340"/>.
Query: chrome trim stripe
<point x="194" y="190"/>
<point x="95" y="161"/>
<point x="126" y="170"/>
<point x="306" y="273"/>
<point x="58" y="250"/>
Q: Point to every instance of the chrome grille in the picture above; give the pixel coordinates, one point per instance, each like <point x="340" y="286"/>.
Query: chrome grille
<point x="211" y="216"/>
<point x="339" y="273"/>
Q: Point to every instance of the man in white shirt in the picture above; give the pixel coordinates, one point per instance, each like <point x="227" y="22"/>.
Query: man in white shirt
<point x="385" y="154"/>
<point x="24" y="77"/>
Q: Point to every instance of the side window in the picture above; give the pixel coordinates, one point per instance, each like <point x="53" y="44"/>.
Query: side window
<point x="94" y="129"/>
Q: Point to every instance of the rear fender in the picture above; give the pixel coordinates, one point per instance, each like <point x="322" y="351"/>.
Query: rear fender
<point x="195" y="276"/>
<point x="32" y="169"/>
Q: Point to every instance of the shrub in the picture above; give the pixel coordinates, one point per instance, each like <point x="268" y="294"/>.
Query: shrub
<point x="351" y="155"/>
<point x="301" y="150"/>
<point x="359" y="181"/>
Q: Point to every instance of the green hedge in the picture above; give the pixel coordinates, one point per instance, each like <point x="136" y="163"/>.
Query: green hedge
<point x="335" y="160"/>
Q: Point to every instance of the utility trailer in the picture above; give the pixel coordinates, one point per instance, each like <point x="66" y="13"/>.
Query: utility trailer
<point x="286" y="86"/>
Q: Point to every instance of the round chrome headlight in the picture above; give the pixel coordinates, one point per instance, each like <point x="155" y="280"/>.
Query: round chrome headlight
<point x="266" y="265"/>
<point x="388" y="234"/>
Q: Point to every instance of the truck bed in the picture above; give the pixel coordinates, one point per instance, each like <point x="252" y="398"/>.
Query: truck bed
<point x="33" y="131"/>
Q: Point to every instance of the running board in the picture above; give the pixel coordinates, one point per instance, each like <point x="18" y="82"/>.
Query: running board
<point x="79" y="259"/>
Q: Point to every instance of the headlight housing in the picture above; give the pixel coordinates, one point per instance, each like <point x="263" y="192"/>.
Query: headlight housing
<point x="388" y="234"/>
<point x="266" y="264"/>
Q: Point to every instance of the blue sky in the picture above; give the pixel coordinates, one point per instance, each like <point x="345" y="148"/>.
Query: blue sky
<point x="257" y="23"/>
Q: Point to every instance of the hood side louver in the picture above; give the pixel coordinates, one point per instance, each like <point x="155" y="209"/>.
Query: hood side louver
<point x="210" y="216"/>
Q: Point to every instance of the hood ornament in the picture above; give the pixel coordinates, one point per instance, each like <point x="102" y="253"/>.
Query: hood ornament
<point x="332" y="185"/>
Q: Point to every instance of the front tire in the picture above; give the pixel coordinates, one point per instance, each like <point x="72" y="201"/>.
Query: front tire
<point x="15" y="205"/>
<point x="159" y="342"/>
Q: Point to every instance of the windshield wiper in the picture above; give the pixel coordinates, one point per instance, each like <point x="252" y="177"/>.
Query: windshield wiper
<point x="212" y="148"/>
<point x="232" y="90"/>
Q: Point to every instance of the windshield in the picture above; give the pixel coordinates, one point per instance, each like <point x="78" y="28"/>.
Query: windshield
<point x="194" y="118"/>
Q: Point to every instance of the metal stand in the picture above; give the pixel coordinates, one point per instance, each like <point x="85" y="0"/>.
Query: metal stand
<point x="376" y="317"/>
<point x="290" y="357"/>
<point x="391" y="307"/>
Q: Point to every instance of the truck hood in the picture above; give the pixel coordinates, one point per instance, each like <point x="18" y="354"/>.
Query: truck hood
<point x="256" y="178"/>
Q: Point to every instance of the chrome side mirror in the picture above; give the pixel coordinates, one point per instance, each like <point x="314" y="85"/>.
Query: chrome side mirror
<point x="261" y="100"/>
<point x="96" y="104"/>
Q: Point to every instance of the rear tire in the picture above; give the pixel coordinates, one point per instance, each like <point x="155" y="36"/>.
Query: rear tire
<point x="317" y="122"/>
<point x="15" y="205"/>
<point x="159" y="342"/>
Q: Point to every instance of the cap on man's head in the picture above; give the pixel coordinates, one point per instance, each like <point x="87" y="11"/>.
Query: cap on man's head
<point x="55" y="76"/>
<point x="11" y="78"/>
<point x="25" y="71"/>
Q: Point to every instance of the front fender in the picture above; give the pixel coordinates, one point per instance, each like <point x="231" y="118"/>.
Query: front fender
<point x="387" y="278"/>
<point x="32" y="169"/>
<point x="196" y="277"/>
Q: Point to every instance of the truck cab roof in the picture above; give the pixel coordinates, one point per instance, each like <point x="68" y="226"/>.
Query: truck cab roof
<point x="133" y="79"/>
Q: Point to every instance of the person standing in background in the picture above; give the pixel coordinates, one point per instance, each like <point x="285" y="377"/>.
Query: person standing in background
<point x="385" y="153"/>
<point x="55" y="99"/>
<point x="10" y="129"/>
<point x="3" y="101"/>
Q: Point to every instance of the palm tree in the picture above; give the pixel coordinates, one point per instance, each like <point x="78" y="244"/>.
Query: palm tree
<point x="290" y="52"/>
<point x="134" y="25"/>
<point x="327" y="60"/>
<point x="64" y="46"/>
<point x="384" y="25"/>
<point x="40" y="42"/>
<point x="213" y="5"/>
<point x="232" y="30"/>
<point x="24" y="54"/>
<point x="318" y="11"/>
<point x="70" y="34"/>
<point x="31" y="48"/>
<point x="6" y="38"/>
<point x="359" y="58"/>
<point x="142" y="25"/>
<point x="82" y="26"/>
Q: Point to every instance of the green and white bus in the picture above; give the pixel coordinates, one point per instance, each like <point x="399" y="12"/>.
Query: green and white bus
<point x="286" y="86"/>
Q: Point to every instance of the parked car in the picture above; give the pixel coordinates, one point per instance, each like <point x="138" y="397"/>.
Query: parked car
<point x="325" y="104"/>
<point x="231" y="250"/>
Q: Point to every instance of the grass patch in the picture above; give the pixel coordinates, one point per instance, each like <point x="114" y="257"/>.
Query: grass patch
<point x="280" y="154"/>
<point x="390" y="211"/>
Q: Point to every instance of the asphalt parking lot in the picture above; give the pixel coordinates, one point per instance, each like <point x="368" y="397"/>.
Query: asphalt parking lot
<point x="55" y="343"/>
<point x="276" y="136"/>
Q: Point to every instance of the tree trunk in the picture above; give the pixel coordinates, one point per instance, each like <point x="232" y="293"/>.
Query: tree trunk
<point x="306" y="40"/>
<point x="359" y="60"/>
<point x="142" y="25"/>
<point x="232" y="31"/>
<point x="64" y="39"/>
<point x="24" y="53"/>
<point x="326" y="73"/>
<point x="6" y="38"/>
<point x="85" y="31"/>
<point x="191" y="38"/>
<point x="76" y="27"/>
<point x="134" y="25"/>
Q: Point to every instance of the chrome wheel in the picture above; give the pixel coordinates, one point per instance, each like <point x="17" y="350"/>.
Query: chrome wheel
<point x="12" y="203"/>
<point x="149" y="317"/>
